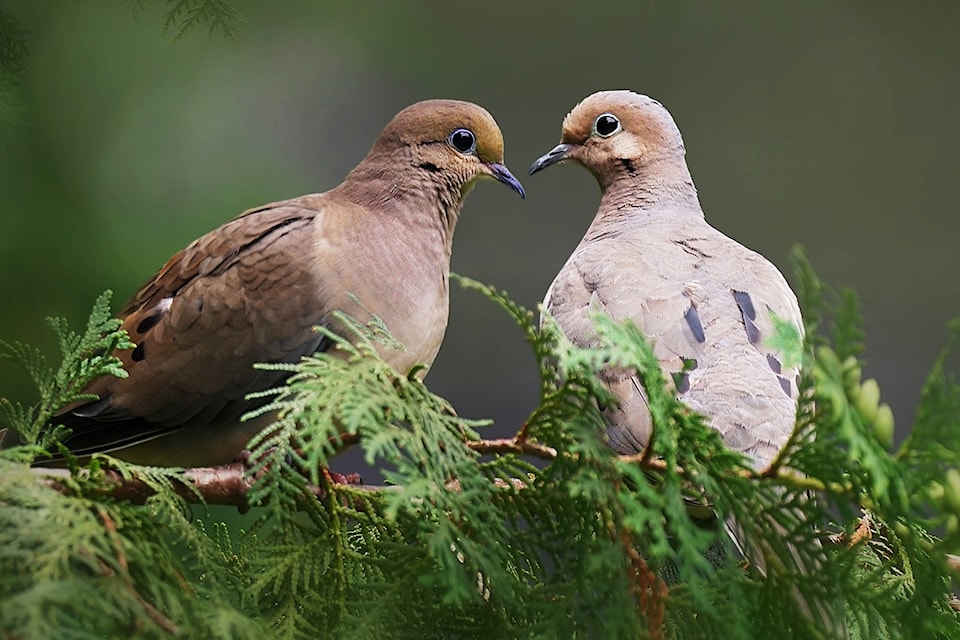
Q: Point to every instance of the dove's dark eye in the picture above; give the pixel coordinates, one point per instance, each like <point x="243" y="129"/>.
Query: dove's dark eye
<point x="606" y="125"/>
<point x="463" y="141"/>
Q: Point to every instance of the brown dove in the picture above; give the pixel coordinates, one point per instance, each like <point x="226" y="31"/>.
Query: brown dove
<point x="706" y="302"/>
<point x="253" y="289"/>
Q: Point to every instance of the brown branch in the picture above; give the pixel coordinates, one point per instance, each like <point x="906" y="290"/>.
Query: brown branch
<point x="646" y="462"/>
<point x="649" y="590"/>
<point x="524" y="433"/>
<point x="519" y="445"/>
<point x="513" y="445"/>
<point x="229" y="484"/>
<point x="226" y="485"/>
<point x="782" y="476"/>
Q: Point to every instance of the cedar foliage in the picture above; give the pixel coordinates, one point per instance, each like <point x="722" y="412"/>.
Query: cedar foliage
<point x="553" y="536"/>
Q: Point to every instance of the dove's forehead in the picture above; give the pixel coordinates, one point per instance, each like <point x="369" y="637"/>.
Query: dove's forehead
<point x="434" y="120"/>
<point x="635" y="111"/>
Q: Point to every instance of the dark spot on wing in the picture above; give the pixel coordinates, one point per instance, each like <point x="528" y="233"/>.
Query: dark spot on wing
<point x="93" y="409"/>
<point x="681" y="379"/>
<point x="138" y="353"/>
<point x="324" y="345"/>
<point x="628" y="165"/>
<point x="784" y="384"/>
<point x="745" y="302"/>
<point x="693" y="321"/>
<point x="429" y="166"/>
<point x="606" y="233"/>
<point x="774" y="364"/>
<point x="689" y="248"/>
<point x="149" y="322"/>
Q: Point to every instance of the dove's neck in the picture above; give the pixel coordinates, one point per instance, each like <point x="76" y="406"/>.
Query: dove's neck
<point x="429" y="207"/>
<point x="648" y="191"/>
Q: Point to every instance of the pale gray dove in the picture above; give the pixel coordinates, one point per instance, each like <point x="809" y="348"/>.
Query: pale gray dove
<point x="705" y="301"/>
<point x="251" y="290"/>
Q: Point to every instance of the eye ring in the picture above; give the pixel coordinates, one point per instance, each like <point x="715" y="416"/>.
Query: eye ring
<point x="606" y="125"/>
<point x="463" y="140"/>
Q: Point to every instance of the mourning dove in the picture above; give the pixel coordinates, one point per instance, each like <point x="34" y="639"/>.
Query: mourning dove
<point x="706" y="302"/>
<point x="252" y="290"/>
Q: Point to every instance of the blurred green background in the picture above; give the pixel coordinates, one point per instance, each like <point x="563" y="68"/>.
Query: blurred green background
<point x="827" y="123"/>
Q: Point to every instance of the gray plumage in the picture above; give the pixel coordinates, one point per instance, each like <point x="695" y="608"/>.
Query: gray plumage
<point x="704" y="300"/>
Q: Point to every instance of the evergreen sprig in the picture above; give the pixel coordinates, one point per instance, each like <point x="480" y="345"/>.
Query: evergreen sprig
<point x="544" y="534"/>
<point x="180" y="17"/>
<point x="84" y="358"/>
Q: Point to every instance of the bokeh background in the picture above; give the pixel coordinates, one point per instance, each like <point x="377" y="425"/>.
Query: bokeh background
<point x="829" y="123"/>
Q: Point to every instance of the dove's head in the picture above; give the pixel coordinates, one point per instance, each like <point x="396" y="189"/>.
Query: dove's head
<point x="448" y="144"/>
<point x="616" y="134"/>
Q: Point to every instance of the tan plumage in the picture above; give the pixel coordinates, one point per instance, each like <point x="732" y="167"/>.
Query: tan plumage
<point x="704" y="300"/>
<point x="251" y="290"/>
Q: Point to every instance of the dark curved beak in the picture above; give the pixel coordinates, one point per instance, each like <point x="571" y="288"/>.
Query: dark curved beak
<point x="502" y="174"/>
<point x="558" y="154"/>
